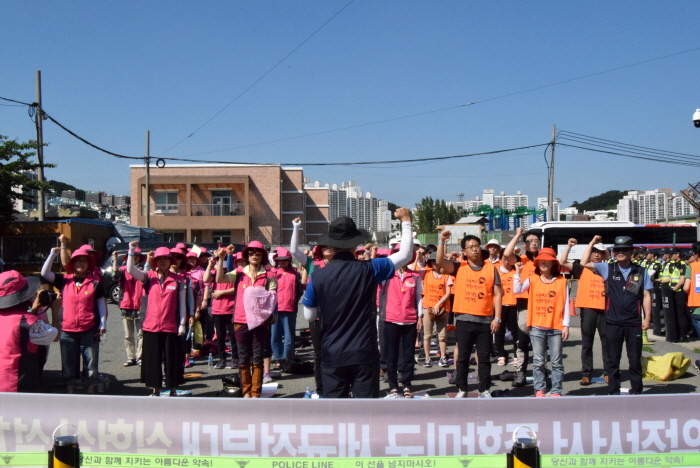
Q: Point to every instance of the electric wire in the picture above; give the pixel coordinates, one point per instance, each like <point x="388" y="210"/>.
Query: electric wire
<point x="261" y="78"/>
<point x="634" y="152"/>
<point x="565" y="133"/>
<point x="630" y="155"/>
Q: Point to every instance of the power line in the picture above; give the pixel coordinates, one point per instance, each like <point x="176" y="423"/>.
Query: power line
<point x="566" y="133"/>
<point x="261" y="78"/>
<point x="418" y="114"/>
<point x="631" y="156"/>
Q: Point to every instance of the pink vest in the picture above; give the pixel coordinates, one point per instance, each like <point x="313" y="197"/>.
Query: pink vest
<point x="132" y="291"/>
<point x="11" y="344"/>
<point x="242" y="282"/>
<point x="162" y="306"/>
<point x="79" y="309"/>
<point x="401" y="298"/>
<point x="287" y="289"/>
<point x="224" y="304"/>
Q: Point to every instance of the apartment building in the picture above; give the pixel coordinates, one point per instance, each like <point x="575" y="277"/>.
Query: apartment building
<point x="226" y="203"/>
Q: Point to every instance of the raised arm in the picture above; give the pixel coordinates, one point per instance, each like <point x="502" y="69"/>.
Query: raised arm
<point x="46" y="272"/>
<point x="65" y="251"/>
<point x="221" y="277"/>
<point x="564" y="257"/>
<point x="440" y="260"/>
<point x="208" y="276"/>
<point x="509" y="252"/>
<point x="130" y="266"/>
<point x="586" y="258"/>
<point x="294" y="243"/>
<point x="403" y="256"/>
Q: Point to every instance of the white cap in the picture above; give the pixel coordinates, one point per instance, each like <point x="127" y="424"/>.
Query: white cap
<point x="600" y="247"/>
<point x="494" y="242"/>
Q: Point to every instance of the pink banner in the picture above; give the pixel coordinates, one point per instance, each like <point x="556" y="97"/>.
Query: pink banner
<point x="351" y="428"/>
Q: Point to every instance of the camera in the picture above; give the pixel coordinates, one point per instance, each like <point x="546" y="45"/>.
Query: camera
<point x="696" y="118"/>
<point x="46" y="298"/>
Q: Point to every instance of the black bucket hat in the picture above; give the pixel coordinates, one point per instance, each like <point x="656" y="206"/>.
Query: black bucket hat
<point x="343" y="234"/>
<point x="623" y="242"/>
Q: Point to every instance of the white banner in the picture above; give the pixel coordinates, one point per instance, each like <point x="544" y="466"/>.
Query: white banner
<point x="351" y="428"/>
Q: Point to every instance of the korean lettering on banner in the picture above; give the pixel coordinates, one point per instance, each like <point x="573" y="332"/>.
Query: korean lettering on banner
<point x="611" y="437"/>
<point x="33" y="435"/>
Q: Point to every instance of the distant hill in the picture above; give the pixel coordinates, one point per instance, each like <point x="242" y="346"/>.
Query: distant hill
<point x="604" y="201"/>
<point x="59" y="187"/>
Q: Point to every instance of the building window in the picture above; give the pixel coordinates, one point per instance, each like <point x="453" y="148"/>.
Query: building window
<point x="166" y="202"/>
<point x="221" y="202"/>
<point x="221" y="237"/>
<point x="174" y="236"/>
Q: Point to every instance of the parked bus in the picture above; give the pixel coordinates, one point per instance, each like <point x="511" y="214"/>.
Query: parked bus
<point x="652" y="236"/>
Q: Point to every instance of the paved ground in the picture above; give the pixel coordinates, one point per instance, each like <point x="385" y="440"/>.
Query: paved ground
<point x="125" y="381"/>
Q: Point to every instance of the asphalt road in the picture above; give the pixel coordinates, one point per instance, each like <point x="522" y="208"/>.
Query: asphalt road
<point x="433" y="380"/>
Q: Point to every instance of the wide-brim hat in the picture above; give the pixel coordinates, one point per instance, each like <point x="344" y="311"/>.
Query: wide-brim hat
<point x="137" y="252"/>
<point x="80" y="253"/>
<point x="161" y="252"/>
<point x="546" y="254"/>
<point x="16" y="289"/>
<point x="281" y="254"/>
<point x="89" y="249"/>
<point x="343" y="234"/>
<point x="493" y="242"/>
<point x="256" y="246"/>
<point x="600" y="247"/>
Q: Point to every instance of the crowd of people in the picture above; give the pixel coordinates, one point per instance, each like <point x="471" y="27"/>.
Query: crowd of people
<point x="368" y="310"/>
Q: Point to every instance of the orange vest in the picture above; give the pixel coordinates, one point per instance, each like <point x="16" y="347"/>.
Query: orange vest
<point x="693" y="294"/>
<point x="473" y="290"/>
<point x="508" y="298"/>
<point x="546" y="302"/>
<point x="528" y="269"/>
<point x="591" y="291"/>
<point x="434" y="289"/>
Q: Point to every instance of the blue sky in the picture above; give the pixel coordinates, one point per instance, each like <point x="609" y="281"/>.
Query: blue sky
<point x="112" y="70"/>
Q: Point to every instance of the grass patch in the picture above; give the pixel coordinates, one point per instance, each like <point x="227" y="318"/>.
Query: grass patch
<point x="696" y="350"/>
<point x="648" y="349"/>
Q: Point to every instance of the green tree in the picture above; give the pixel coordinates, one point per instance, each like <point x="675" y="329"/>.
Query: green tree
<point x="425" y="219"/>
<point x="14" y="164"/>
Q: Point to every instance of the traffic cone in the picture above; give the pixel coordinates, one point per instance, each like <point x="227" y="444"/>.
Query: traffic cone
<point x="645" y="339"/>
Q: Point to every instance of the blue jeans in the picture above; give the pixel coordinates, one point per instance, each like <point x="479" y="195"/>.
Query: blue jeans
<point x="541" y="339"/>
<point x="696" y="322"/>
<point x="283" y="348"/>
<point x="74" y="345"/>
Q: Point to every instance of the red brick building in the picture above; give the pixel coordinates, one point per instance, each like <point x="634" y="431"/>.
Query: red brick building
<point x="227" y="203"/>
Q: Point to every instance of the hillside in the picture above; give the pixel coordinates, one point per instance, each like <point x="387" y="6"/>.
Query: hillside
<point x="604" y="201"/>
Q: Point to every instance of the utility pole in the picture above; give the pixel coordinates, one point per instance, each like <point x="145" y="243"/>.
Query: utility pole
<point x="41" y="203"/>
<point x="550" y="195"/>
<point x="148" y="178"/>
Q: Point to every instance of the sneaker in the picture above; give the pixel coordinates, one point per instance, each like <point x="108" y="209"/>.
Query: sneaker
<point x="221" y="364"/>
<point x="461" y="394"/>
<point x="267" y="378"/>
<point x="519" y="380"/>
<point x="130" y="362"/>
<point x="427" y="363"/>
<point x="421" y="354"/>
<point x="501" y="361"/>
<point x="139" y="362"/>
<point x="443" y="362"/>
<point x="555" y="394"/>
<point x="585" y="381"/>
<point x="451" y="381"/>
<point x="540" y="394"/>
<point x="485" y="394"/>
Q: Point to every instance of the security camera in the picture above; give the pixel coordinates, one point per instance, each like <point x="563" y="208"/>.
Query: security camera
<point x="696" y="118"/>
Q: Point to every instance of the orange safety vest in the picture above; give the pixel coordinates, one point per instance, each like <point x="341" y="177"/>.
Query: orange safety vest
<point x="473" y="290"/>
<point x="434" y="289"/>
<point x="528" y="269"/>
<point x="508" y="298"/>
<point x="546" y="302"/>
<point x="591" y="291"/>
<point x="694" y="292"/>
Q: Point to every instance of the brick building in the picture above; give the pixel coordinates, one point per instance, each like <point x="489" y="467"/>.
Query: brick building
<point x="227" y="203"/>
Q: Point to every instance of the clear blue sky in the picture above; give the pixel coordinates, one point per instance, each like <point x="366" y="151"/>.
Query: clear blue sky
<point x="112" y="70"/>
